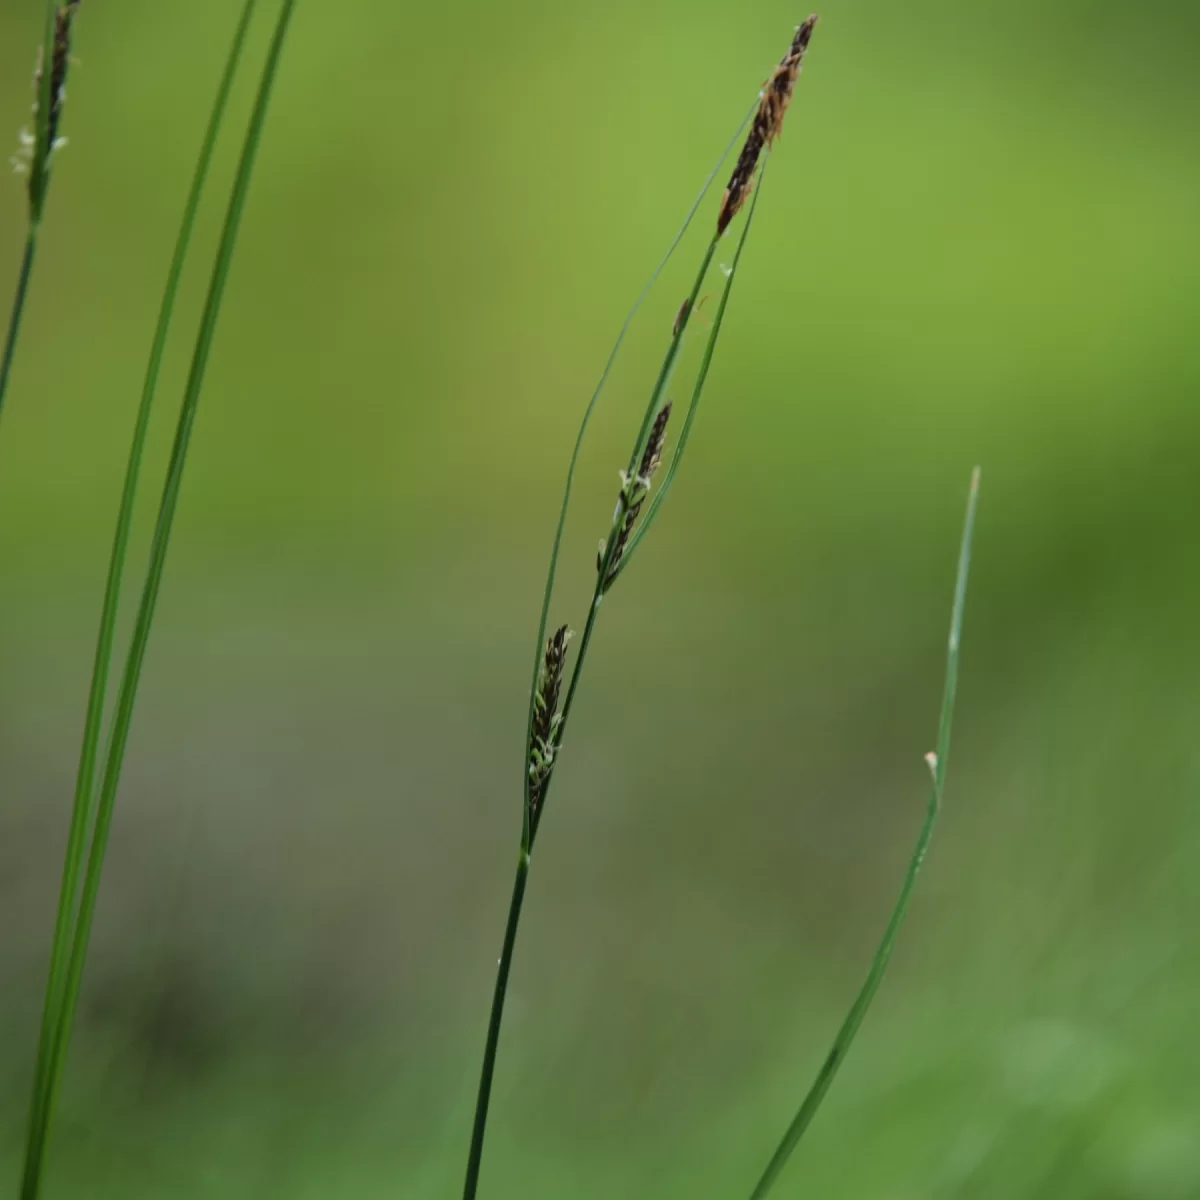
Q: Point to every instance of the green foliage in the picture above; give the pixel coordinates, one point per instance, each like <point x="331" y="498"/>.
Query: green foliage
<point x="37" y="156"/>
<point x="93" y="808"/>
<point x="974" y="246"/>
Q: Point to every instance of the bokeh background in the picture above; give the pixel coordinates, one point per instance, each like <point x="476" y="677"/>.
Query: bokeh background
<point x="978" y="243"/>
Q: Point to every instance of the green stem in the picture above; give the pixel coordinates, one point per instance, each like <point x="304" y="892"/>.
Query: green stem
<point x="652" y="407"/>
<point x="664" y="374"/>
<point x="141" y="633"/>
<point x="496" y="1018"/>
<point x="479" y="1128"/>
<point x="937" y="763"/>
<point x="710" y="347"/>
<point x="527" y="825"/>
<point x="18" y="309"/>
<point x="548" y="590"/>
<point x="85" y="774"/>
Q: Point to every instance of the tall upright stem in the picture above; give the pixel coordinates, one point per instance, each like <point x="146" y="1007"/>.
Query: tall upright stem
<point x="475" y="1158"/>
<point x="81" y="811"/>
<point x="533" y="816"/>
<point x="18" y="309"/>
<point x="62" y="1000"/>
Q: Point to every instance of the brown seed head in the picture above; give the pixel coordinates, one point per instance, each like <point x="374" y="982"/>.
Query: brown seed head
<point x="767" y="123"/>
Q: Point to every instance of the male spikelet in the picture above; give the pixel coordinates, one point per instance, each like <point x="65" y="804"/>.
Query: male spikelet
<point x="767" y="123"/>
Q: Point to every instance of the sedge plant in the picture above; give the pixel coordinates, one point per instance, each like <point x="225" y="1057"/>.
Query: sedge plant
<point x="636" y="508"/>
<point x="94" y="803"/>
<point x="36" y="156"/>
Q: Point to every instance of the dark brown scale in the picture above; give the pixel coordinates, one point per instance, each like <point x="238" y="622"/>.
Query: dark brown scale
<point x="679" y="316"/>
<point x="767" y="124"/>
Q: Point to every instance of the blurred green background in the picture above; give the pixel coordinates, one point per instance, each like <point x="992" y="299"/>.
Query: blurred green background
<point x="978" y="243"/>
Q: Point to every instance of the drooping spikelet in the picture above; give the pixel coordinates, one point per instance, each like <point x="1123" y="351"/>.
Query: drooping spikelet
<point x="543" y="744"/>
<point x="634" y="493"/>
<point x="767" y="123"/>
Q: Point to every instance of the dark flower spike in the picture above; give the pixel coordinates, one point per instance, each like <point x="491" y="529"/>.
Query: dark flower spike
<point x="59" y="59"/>
<point x="634" y="492"/>
<point x="38" y="147"/>
<point x="767" y="124"/>
<point x="543" y="742"/>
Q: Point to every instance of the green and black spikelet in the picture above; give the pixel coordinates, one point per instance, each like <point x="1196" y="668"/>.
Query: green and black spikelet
<point x="60" y="57"/>
<point x="634" y="493"/>
<point x="546" y="719"/>
<point x="33" y="157"/>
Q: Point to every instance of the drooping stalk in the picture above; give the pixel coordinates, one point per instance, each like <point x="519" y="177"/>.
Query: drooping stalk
<point x="127" y="692"/>
<point x="937" y="762"/>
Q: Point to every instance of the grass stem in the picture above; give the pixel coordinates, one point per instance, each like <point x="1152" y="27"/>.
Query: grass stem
<point x="937" y="761"/>
<point x="18" y="309"/>
<point x="656" y="396"/>
<point x="565" y="503"/>
<point x="710" y="346"/>
<point x="82" y="808"/>
<point x="606" y="561"/>
<point x="66" y="973"/>
<point x="539" y="754"/>
<point x="35" y="157"/>
<point x="496" y="1018"/>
